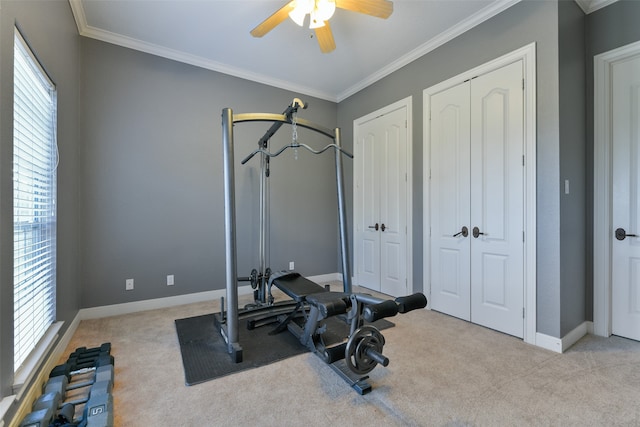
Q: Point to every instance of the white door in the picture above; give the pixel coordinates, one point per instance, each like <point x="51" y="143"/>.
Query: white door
<point x="451" y="202"/>
<point x="625" y="271"/>
<point x="477" y="188"/>
<point x="381" y="189"/>
<point x="497" y="200"/>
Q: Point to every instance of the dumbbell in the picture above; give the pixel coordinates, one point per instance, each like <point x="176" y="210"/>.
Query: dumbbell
<point x="43" y="410"/>
<point x="96" y="402"/>
<point x="69" y="369"/>
<point x="83" y="357"/>
<point x="62" y="385"/>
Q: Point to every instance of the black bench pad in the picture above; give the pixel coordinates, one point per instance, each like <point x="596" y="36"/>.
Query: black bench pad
<point x="297" y="287"/>
<point x="330" y="303"/>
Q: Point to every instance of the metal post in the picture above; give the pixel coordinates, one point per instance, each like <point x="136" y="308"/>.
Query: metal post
<point x="264" y="211"/>
<point x="342" y="218"/>
<point x="233" y="344"/>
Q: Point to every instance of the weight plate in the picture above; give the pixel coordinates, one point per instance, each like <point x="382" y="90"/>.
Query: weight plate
<point x="355" y="353"/>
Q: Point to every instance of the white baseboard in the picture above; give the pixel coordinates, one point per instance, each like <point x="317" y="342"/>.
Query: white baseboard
<point x="560" y="345"/>
<point x="157" y="303"/>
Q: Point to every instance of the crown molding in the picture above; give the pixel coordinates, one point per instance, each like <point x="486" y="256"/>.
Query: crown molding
<point x="88" y="31"/>
<point x="462" y="27"/>
<point x="589" y="6"/>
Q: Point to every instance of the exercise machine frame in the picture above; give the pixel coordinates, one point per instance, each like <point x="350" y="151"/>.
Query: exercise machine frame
<point x="310" y="302"/>
<point x="229" y="309"/>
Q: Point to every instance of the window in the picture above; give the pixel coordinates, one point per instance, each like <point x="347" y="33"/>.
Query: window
<point x="34" y="201"/>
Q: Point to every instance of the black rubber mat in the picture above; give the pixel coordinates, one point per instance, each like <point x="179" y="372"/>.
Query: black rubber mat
<point x="204" y="352"/>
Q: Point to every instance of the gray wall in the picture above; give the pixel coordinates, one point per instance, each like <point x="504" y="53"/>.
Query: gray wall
<point x="151" y="183"/>
<point x="606" y="29"/>
<point x="520" y="25"/>
<point x="573" y="229"/>
<point x="50" y="30"/>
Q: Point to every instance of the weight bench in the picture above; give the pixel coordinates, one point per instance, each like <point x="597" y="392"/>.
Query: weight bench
<point x="362" y="351"/>
<point x="297" y="288"/>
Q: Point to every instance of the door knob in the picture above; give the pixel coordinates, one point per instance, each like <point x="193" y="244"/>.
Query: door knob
<point x="464" y="232"/>
<point x="375" y="226"/>
<point x="621" y="234"/>
<point x="382" y="227"/>
<point x="477" y="232"/>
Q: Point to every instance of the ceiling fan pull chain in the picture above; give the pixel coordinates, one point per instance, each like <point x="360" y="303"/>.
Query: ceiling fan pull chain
<point x="294" y="136"/>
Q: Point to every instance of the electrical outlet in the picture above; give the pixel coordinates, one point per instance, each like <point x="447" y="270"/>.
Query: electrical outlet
<point x="128" y="285"/>
<point x="170" y="281"/>
<point x="291" y="265"/>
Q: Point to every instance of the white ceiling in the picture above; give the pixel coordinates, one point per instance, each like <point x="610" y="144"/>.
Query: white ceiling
<point x="214" y="34"/>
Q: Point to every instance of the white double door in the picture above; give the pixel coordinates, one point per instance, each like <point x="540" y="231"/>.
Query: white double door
<point x="380" y="201"/>
<point x="625" y="236"/>
<point x="477" y="200"/>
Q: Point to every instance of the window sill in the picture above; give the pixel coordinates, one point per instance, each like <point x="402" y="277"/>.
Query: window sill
<point x="5" y="404"/>
<point x="29" y="368"/>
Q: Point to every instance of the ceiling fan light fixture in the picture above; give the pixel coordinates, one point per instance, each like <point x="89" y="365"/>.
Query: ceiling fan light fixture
<point x="324" y="9"/>
<point x="297" y="16"/>
<point x="315" y="22"/>
<point x="301" y="9"/>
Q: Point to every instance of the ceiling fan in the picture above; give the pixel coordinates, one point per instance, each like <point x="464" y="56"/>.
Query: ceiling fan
<point x="320" y="11"/>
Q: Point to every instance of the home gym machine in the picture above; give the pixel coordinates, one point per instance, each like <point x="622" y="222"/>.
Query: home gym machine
<point x="311" y="305"/>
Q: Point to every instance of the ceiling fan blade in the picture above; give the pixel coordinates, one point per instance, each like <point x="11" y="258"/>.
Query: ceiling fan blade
<point x="271" y="22"/>
<point x="378" y="8"/>
<point x="325" y="38"/>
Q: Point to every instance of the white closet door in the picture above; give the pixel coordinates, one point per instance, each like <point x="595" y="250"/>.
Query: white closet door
<point x="477" y="200"/>
<point x="497" y="183"/>
<point x="368" y="224"/>
<point x="393" y="201"/>
<point x="625" y="271"/>
<point x="381" y="205"/>
<point x="450" y="201"/>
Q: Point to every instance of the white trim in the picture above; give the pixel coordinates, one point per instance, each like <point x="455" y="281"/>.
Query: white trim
<point x="5" y="404"/>
<point x="26" y="395"/>
<point x="483" y="15"/>
<point x="462" y="27"/>
<point x="324" y="278"/>
<point x="589" y="6"/>
<point x="528" y="55"/>
<point x="560" y="345"/>
<point x="27" y="371"/>
<point x="86" y="30"/>
<point x="156" y="303"/>
<point x="159" y="303"/>
<point x="602" y="185"/>
<point x="548" y="342"/>
<point x="408" y="104"/>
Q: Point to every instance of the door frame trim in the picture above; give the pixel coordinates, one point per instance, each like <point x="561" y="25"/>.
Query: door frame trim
<point x="602" y="181"/>
<point x="528" y="55"/>
<point x="408" y="104"/>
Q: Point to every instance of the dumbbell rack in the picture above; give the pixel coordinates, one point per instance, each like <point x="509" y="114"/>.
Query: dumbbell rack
<point x="78" y="392"/>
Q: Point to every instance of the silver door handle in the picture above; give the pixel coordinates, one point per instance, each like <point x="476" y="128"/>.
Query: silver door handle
<point x="375" y="226"/>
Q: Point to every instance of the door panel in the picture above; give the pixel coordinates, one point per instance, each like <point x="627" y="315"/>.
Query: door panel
<point x="450" y="201"/>
<point x="497" y="149"/>
<point x="368" y="239"/>
<point x="625" y="272"/>
<point x="393" y="194"/>
<point x="381" y="152"/>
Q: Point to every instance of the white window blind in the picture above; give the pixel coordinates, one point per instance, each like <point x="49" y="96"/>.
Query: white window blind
<point x="34" y="201"/>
